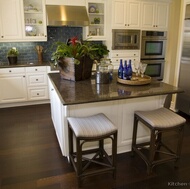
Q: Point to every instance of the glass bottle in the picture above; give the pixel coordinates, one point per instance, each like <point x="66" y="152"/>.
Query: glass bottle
<point x="120" y="70"/>
<point x="125" y="70"/>
<point x="129" y="70"/>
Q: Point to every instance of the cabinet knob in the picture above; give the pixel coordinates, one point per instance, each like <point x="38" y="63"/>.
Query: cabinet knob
<point x="23" y="75"/>
<point x="116" y="54"/>
<point x="52" y="89"/>
<point x="38" y="94"/>
<point x="36" y="79"/>
<point x="36" y="69"/>
<point x="2" y="36"/>
<point x="10" y="71"/>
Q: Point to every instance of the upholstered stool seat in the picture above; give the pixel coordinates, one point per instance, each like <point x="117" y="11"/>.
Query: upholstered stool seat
<point x="88" y="129"/>
<point x="158" y="121"/>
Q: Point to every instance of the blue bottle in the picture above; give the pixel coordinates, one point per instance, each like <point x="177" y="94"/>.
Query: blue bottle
<point x="120" y="70"/>
<point x="125" y="70"/>
<point x="129" y="70"/>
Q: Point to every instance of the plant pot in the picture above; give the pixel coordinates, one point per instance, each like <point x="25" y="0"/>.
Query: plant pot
<point x="12" y="60"/>
<point x="75" y="72"/>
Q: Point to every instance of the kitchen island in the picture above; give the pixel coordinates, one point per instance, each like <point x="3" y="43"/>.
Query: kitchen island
<point x="117" y="101"/>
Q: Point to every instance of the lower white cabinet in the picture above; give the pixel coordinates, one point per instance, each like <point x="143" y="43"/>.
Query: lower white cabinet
<point x="13" y="85"/>
<point x="37" y="83"/>
<point x="23" y="84"/>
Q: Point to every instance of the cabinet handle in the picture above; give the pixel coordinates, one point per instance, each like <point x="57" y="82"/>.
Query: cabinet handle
<point x="116" y="54"/>
<point x="10" y="71"/>
<point x="23" y="75"/>
<point x="38" y="94"/>
<point x="36" y="69"/>
<point x="52" y="89"/>
<point x="36" y="79"/>
<point x="2" y="36"/>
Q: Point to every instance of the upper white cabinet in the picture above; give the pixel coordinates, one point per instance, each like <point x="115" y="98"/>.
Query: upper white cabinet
<point x="155" y="15"/>
<point x="97" y="17"/>
<point x="66" y="2"/>
<point x="10" y="20"/>
<point x="126" y="14"/>
<point x="34" y="20"/>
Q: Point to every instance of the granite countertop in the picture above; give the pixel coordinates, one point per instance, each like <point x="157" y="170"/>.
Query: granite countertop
<point x="24" y="64"/>
<point x="88" y="91"/>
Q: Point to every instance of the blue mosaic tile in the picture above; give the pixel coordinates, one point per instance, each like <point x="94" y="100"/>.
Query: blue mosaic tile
<point x="27" y="49"/>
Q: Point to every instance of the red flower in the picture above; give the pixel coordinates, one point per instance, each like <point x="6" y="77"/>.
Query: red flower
<point x="74" y="40"/>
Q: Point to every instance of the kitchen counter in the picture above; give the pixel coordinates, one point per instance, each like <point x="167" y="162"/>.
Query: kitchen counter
<point x="117" y="101"/>
<point x="88" y="91"/>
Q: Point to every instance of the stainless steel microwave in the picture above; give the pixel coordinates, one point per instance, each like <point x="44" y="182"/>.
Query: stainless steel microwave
<point x="125" y="39"/>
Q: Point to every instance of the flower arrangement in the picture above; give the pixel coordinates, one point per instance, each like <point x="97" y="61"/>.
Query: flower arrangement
<point x="12" y="52"/>
<point x="77" y="49"/>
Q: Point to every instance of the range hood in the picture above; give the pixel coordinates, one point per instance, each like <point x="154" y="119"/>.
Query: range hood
<point x="62" y="15"/>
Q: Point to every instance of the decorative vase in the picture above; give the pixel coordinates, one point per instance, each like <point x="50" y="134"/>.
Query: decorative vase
<point x="12" y="60"/>
<point x="75" y="72"/>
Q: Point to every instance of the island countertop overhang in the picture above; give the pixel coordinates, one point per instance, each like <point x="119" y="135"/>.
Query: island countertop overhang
<point x="87" y="91"/>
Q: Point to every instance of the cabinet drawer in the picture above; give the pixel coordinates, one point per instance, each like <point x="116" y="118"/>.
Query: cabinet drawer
<point x="38" y="93"/>
<point x="125" y="54"/>
<point x="12" y="71"/>
<point x="39" y="79"/>
<point x="36" y="69"/>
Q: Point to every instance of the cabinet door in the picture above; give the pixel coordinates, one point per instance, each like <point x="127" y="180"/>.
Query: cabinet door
<point x="118" y="16"/>
<point x="133" y="14"/>
<point x="97" y="16"/>
<point x="162" y="12"/>
<point x="148" y="14"/>
<point x="35" y="20"/>
<point x="10" y="22"/>
<point x="13" y="88"/>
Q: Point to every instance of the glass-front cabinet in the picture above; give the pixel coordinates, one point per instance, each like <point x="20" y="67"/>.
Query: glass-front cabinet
<point x="96" y="29"/>
<point x="34" y="20"/>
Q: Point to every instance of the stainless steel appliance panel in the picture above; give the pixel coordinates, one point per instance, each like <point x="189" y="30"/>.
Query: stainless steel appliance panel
<point x="153" y="45"/>
<point x="125" y="39"/>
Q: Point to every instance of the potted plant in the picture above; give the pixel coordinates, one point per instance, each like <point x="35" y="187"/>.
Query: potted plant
<point x="12" y="55"/>
<point x="75" y="58"/>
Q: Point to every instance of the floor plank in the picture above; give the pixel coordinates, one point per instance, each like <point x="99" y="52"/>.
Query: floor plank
<point x="30" y="158"/>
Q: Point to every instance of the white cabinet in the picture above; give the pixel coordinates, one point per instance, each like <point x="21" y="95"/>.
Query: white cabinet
<point x="126" y="14"/>
<point x="96" y="31"/>
<point x="66" y="2"/>
<point x="57" y="115"/>
<point x="132" y="55"/>
<point x="37" y="86"/>
<point x="10" y="20"/>
<point x="25" y="84"/>
<point x="13" y="85"/>
<point x="34" y="20"/>
<point x="155" y="15"/>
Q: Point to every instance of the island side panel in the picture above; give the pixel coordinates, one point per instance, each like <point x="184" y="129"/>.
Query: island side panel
<point x="121" y="113"/>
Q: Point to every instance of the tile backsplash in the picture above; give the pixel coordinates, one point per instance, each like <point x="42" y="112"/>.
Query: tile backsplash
<point x="27" y="50"/>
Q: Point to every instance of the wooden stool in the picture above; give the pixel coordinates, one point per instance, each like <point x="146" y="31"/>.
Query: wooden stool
<point x="88" y="129"/>
<point x="158" y="121"/>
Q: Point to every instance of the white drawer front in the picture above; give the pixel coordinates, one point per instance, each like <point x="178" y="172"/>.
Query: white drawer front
<point x="38" y="93"/>
<point x="39" y="79"/>
<point x="36" y="69"/>
<point x="123" y="55"/>
<point x="12" y="71"/>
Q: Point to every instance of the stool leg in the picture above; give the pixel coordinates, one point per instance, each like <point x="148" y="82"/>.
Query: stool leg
<point x="114" y="153"/>
<point x="152" y="151"/>
<point x="179" y="145"/>
<point x="135" y="126"/>
<point x="79" y="160"/>
<point x="101" y="147"/>
<point x="70" y="144"/>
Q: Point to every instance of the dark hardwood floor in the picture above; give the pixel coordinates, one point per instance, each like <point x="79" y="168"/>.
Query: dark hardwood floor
<point x="30" y="158"/>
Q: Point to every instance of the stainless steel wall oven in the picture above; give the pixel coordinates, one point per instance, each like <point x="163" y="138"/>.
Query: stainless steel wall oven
<point x="153" y="47"/>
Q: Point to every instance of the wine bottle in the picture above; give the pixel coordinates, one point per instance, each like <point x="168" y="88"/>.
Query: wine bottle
<point x="129" y="70"/>
<point x="125" y="70"/>
<point x="120" y="70"/>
